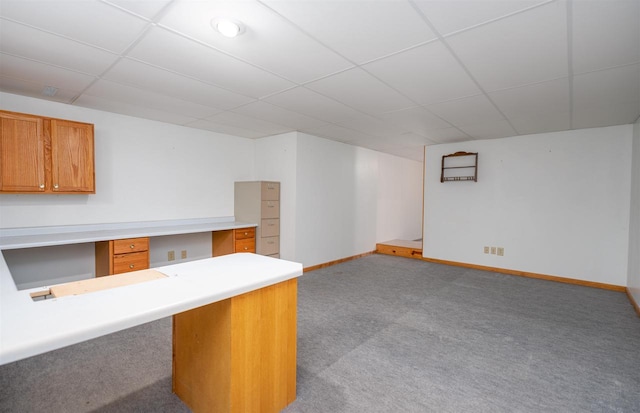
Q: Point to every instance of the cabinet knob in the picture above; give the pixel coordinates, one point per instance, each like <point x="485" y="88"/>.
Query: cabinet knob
<point x="55" y="186"/>
<point x="131" y="266"/>
<point x="41" y="186"/>
<point x="246" y="233"/>
<point x="246" y="248"/>
<point x="132" y="246"/>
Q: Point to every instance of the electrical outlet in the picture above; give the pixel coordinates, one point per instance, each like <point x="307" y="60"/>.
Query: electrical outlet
<point x="171" y="255"/>
<point x="500" y="251"/>
<point x="493" y="250"/>
<point x="486" y="250"/>
<point x="183" y="254"/>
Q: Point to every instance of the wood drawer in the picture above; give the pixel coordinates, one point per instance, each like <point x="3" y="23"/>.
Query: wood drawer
<point x="270" y="227"/>
<point x="246" y="245"/>
<point x="125" y="246"/>
<point x="270" y="191"/>
<point x="270" y="245"/>
<point x="130" y="262"/>
<point x="243" y="233"/>
<point x="270" y="209"/>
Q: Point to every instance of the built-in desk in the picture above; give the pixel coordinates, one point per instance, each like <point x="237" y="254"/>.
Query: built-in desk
<point x="234" y="325"/>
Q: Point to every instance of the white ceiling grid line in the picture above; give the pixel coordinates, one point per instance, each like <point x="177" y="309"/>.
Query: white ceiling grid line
<point x="389" y="75"/>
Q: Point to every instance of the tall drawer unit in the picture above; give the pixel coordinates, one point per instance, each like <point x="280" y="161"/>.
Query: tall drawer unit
<point x="122" y="255"/>
<point x="259" y="202"/>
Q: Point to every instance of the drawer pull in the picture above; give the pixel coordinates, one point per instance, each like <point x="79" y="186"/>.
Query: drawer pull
<point x="41" y="186"/>
<point x="131" y="266"/>
<point x="55" y="186"/>
<point x="246" y="248"/>
<point x="246" y="233"/>
<point x="132" y="246"/>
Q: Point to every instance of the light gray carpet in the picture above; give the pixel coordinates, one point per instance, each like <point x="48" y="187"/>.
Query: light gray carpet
<point x="387" y="334"/>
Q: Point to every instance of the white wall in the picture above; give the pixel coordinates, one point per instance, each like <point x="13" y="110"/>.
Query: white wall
<point x="633" y="279"/>
<point x="558" y="203"/>
<point x="145" y="171"/>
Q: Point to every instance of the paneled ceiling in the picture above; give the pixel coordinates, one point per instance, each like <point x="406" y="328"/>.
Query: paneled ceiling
<point x="390" y="75"/>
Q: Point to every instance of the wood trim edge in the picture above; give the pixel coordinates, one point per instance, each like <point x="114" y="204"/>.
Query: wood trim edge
<point x="633" y="301"/>
<point x="340" y="261"/>
<point x="527" y="274"/>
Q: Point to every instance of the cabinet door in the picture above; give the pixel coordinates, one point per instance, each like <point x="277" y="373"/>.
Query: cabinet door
<point x="72" y="157"/>
<point x="21" y="153"/>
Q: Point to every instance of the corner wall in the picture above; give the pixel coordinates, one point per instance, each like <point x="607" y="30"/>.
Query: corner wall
<point x="558" y="203"/>
<point x="633" y="278"/>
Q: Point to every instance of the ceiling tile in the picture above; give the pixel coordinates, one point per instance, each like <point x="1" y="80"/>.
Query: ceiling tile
<point x="490" y="130"/>
<point x="467" y="111"/>
<point x="226" y="129"/>
<point x="607" y="97"/>
<point x="447" y="135"/>
<point x="267" y="111"/>
<point x="528" y="47"/>
<point x="30" y="71"/>
<point x="302" y="59"/>
<point x="541" y="122"/>
<point x="372" y="126"/>
<point x="540" y="98"/>
<point x="88" y="21"/>
<point x="415" y="153"/>
<point x="359" y="90"/>
<point x="145" y="8"/>
<point x="453" y="16"/>
<point x="426" y="74"/>
<point x="126" y="94"/>
<point x="24" y="41"/>
<point x="249" y="123"/>
<point x="359" y="30"/>
<point x="34" y="89"/>
<point x="160" y="81"/>
<point x="340" y="134"/>
<point x="418" y="120"/>
<point x="131" y="109"/>
<point x="310" y="103"/>
<point x="605" y="34"/>
<point x="204" y="63"/>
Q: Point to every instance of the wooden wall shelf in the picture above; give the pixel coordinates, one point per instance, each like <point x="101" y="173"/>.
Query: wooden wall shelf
<point x="459" y="166"/>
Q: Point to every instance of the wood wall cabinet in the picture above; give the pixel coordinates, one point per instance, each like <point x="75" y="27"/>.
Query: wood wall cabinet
<point x="233" y="240"/>
<point x="122" y="255"/>
<point x="259" y="201"/>
<point x="45" y="155"/>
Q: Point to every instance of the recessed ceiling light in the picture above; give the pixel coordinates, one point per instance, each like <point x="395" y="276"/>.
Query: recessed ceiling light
<point x="227" y="27"/>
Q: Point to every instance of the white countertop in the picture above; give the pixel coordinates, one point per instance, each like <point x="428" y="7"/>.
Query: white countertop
<point x="14" y="238"/>
<point x="28" y="327"/>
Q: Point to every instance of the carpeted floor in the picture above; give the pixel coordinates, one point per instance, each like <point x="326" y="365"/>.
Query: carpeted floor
<point x="386" y="334"/>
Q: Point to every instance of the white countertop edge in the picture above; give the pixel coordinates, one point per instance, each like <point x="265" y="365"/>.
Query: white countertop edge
<point x="196" y="287"/>
<point x="16" y="238"/>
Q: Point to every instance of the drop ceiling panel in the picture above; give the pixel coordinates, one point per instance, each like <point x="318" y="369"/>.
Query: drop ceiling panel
<point x="541" y="98"/>
<point x="34" y="89"/>
<point x="467" y="111"/>
<point x="341" y="134"/>
<point x="605" y="34"/>
<point x="452" y="16"/>
<point x="607" y="97"/>
<point x="361" y="91"/>
<point x="157" y="80"/>
<point x="145" y="8"/>
<point x="415" y="153"/>
<point x="266" y="111"/>
<point x="525" y="48"/>
<point x="310" y="103"/>
<point x="24" y="41"/>
<point x="302" y="59"/>
<point x="30" y="71"/>
<point x="372" y="126"/>
<point x="541" y="122"/>
<point x="359" y="30"/>
<point x="426" y="74"/>
<point x="490" y="130"/>
<point x="131" y="109"/>
<point x="126" y="94"/>
<point x="418" y="120"/>
<point x="88" y="21"/>
<point x="263" y="127"/>
<point x="226" y="129"/>
<point x="204" y="63"/>
<point x="448" y="135"/>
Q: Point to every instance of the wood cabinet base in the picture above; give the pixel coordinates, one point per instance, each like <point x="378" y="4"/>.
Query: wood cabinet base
<point x="239" y="354"/>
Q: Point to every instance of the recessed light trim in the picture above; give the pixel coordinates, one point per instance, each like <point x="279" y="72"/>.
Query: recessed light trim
<point x="227" y="27"/>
